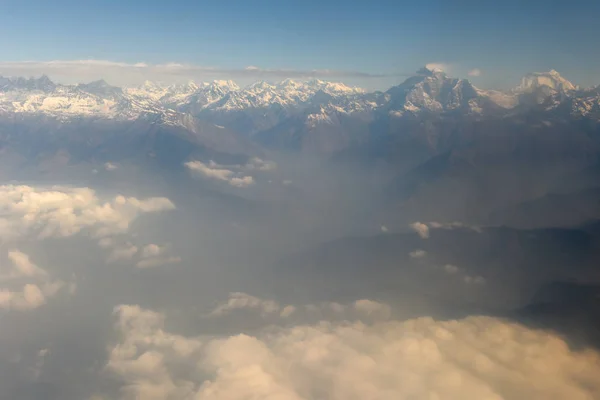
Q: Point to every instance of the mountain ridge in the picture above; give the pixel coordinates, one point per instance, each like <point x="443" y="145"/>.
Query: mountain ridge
<point x="315" y="116"/>
<point x="431" y="91"/>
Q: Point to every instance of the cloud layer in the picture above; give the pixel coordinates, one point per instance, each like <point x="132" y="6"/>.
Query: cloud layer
<point x="473" y="358"/>
<point x="65" y="211"/>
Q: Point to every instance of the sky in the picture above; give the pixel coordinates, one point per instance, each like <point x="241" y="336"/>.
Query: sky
<point x="371" y="44"/>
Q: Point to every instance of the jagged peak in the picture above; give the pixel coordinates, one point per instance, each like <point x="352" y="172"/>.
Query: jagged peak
<point x="187" y="86"/>
<point x="261" y="85"/>
<point x="551" y="79"/>
<point x="149" y="85"/>
<point x="431" y="72"/>
<point x="228" y="84"/>
<point x="288" y="83"/>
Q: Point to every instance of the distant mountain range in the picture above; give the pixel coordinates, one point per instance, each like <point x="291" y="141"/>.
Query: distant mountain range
<point x="262" y="106"/>
<point x="316" y="116"/>
<point x="486" y="153"/>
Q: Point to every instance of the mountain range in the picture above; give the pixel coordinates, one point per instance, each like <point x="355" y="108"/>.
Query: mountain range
<point x="487" y="153"/>
<point x="314" y="116"/>
<point x="262" y="106"/>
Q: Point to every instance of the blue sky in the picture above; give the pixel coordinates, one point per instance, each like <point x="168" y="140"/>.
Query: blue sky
<point x="502" y="39"/>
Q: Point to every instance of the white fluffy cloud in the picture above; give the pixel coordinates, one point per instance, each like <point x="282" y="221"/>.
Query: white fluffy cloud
<point x="235" y="175"/>
<point x="438" y="66"/>
<point x="220" y="173"/>
<point x="22" y="267"/>
<point x="474" y="358"/>
<point x="64" y="211"/>
<point x="24" y="285"/>
<point x="242" y="182"/>
<point x="475" y="72"/>
<point x="421" y="229"/>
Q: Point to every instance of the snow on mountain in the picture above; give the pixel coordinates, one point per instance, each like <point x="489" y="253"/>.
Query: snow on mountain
<point x="551" y="80"/>
<point x="433" y="91"/>
<point x="63" y="101"/>
<point x="263" y="105"/>
<point x="177" y="95"/>
<point x="288" y="93"/>
<point x="96" y="99"/>
<point x="501" y="99"/>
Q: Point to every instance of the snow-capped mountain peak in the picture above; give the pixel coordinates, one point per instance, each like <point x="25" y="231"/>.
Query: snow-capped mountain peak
<point x="551" y="79"/>
<point x="189" y="86"/>
<point x="286" y="83"/>
<point x="225" y="84"/>
<point x="151" y="86"/>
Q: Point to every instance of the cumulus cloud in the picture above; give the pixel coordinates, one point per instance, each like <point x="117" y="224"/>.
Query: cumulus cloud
<point x="472" y="358"/>
<point x="65" y="211"/>
<point x="220" y="173"/>
<point x="77" y="71"/>
<point x="421" y="229"/>
<point x="384" y="229"/>
<point x="438" y="66"/>
<point x="475" y="72"/>
<point x="22" y="267"/>
<point x="24" y="285"/>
